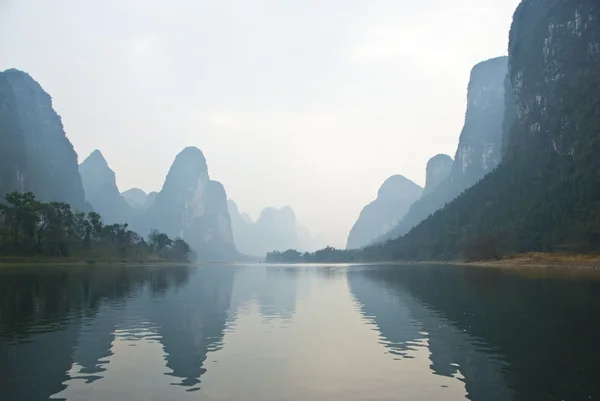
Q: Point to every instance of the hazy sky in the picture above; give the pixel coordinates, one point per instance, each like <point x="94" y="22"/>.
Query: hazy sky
<point x="311" y="103"/>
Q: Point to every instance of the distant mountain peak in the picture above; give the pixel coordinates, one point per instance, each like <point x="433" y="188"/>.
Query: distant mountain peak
<point x="16" y="74"/>
<point x="136" y="198"/>
<point x="101" y="191"/>
<point x="438" y="169"/>
<point x="398" y="187"/>
<point x="97" y="158"/>
<point x="193" y="207"/>
<point x="191" y="153"/>
<point x="394" y="198"/>
<point x="479" y="148"/>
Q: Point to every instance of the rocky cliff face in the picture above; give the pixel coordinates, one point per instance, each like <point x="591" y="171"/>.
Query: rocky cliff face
<point x="438" y="170"/>
<point x="193" y="207"/>
<point x="35" y="154"/>
<point x="380" y="216"/>
<point x="565" y="42"/>
<point x="136" y="198"/>
<point x="544" y="194"/>
<point x="480" y="144"/>
<point x="101" y="191"/>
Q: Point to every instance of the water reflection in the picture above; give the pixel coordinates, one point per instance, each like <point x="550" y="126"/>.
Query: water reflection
<point x="275" y="289"/>
<point x="191" y="320"/>
<point x="512" y="338"/>
<point x="296" y="333"/>
<point x="43" y="311"/>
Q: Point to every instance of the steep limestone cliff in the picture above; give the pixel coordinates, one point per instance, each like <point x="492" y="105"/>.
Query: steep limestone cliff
<point x="193" y="207"/>
<point x="480" y="144"/>
<point x="544" y="194"/>
<point x="437" y="171"/>
<point x="35" y="154"/>
<point x="101" y="191"/>
<point x="393" y="201"/>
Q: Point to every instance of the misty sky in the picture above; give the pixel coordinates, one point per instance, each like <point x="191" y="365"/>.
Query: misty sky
<point x="310" y="103"/>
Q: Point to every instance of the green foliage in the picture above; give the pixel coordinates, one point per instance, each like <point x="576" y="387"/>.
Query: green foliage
<point x="326" y="255"/>
<point x="179" y="249"/>
<point x="545" y="195"/>
<point x="32" y="228"/>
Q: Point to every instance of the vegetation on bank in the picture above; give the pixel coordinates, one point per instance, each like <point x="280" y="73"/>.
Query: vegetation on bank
<point x="50" y="231"/>
<point x="545" y="194"/>
<point x="482" y="248"/>
<point x="327" y="255"/>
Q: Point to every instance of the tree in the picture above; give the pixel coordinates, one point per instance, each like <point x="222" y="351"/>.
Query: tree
<point x="21" y="218"/>
<point x="96" y="221"/>
<point x="159" y="241"/>
<point x="55" y="228"/>
<point x="481" y="248"/>
<point x="180" y="249"/>
<point x="82" y="228"/>
<point x="30" y="228"/>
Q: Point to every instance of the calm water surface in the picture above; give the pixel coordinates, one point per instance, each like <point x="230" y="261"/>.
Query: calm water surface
<point x="297" y="333"/>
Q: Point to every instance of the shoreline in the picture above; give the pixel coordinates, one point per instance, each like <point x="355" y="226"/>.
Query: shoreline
<point x="540" y="260"/>
<point x="525" y="261"/>
<point x="531" y="260"/>
<point x="9" y="261"/>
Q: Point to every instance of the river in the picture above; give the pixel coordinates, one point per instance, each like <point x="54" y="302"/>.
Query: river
<point x="298" y="333"/>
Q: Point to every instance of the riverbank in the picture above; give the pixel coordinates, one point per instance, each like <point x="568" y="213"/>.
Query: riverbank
<point x="544" y="260"/>
<point x="74" y="261"/>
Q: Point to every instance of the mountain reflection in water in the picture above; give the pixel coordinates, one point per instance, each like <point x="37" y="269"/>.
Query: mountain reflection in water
<point x="296" y="333"/>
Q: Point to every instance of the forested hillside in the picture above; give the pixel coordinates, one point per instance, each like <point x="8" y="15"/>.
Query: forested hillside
<point x="479" y="148"/>
<point x="545" y="195"/>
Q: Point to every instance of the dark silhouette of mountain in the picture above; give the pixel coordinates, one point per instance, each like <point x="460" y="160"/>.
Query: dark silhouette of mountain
<point x="188" y="336"/>
<point x="473" y="328"/>
<point x="58" y="317"/>
<point x="544" y="194"/>
<point x="380" y="216"/>
<point x="479" y="148"/>
<point x="35" y="153"/>
<point x="101" y="190"/>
